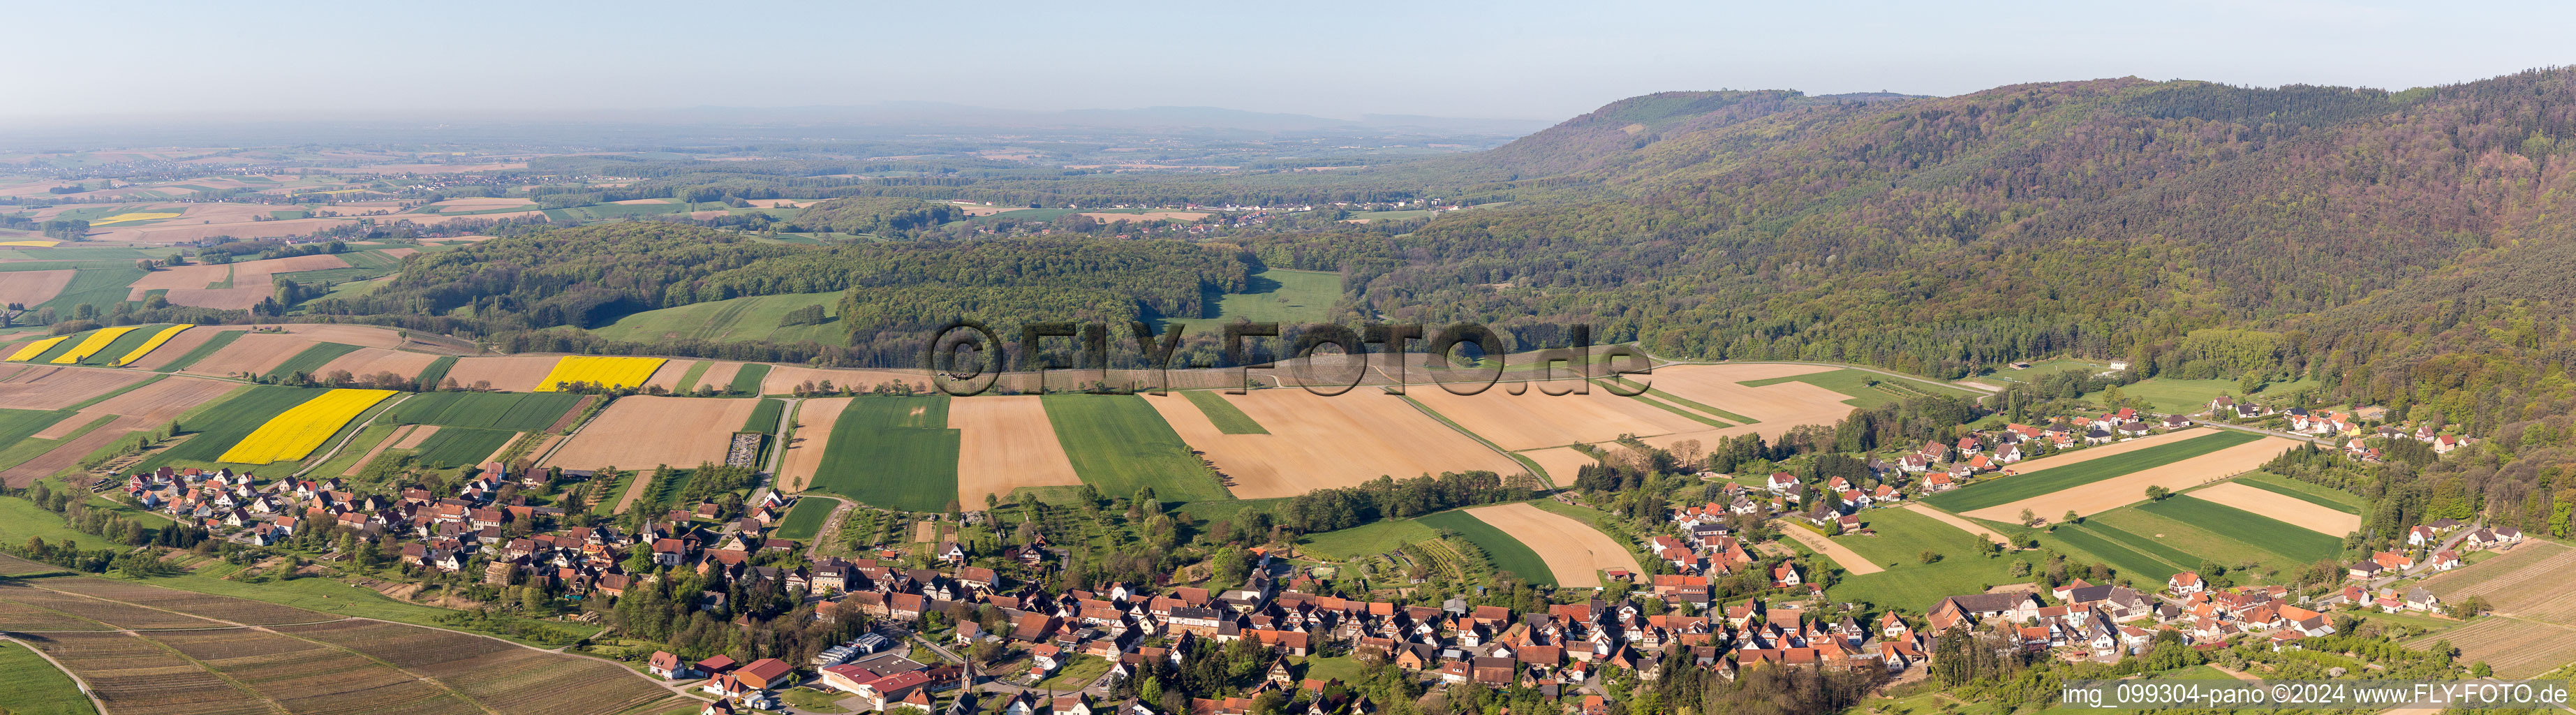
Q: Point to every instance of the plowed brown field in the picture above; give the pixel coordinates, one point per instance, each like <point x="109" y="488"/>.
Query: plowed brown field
<point x="1318" y="442"/>
<point x="642" y="431"/>
<point x="1004" y="443"/>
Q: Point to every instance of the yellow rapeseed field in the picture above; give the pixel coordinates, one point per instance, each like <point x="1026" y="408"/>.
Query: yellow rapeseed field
<point x="37" y="348"/>
<point x="611" y="372"/>
<point x="295" y="433"/>
<point x="137" y="216"/>
<point x="30" y="244"/>
<point x="90" y="346"/>
<point x="155" y="343"/>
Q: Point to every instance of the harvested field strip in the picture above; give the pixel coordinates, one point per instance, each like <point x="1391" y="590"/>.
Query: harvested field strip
<point x="113" y="394"/>
<point x="1006" y="443"/>
<point x="809" y="441"/>
<point x="1573" y="550"/>
<point x="310" y="361"/>
<point x="1119" y="444"/>
<point x="606" y="372"/>
<point x="2047" y="480"/>
<point x="517" y="412"/>
<point x="1507" y="554"/>
<point x="746" y="380"/>
<point x="97" y="341"/>
<point x="643" y="430"/>
<point x="1694" y="416"/>
<point x="436" y="372"/>
<point x="31" y="350"/>
<point x="2288" y="508"/>
<point x="293" y="434"/>
<point x="2515" y="648"/>
<point x="213" y="345"/>
<point x="54" y="388"/>
<point x="893" y="452"/>
<point x="1228" y="418"/>
<point x="2123" y="558"/>
<point x="136" y="676"/>
<point x="764" y="419"/>
<point x="504" y="677"/>
<point x="462" y="446"/>
<point x="158" y="339"/>
<point x="1626" y="384"/>
<point x="2298" y="544"/>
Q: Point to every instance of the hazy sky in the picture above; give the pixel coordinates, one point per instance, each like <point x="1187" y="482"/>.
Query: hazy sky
<point x="1540" y="60"/>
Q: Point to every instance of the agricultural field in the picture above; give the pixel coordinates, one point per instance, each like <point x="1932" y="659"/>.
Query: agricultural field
<point x="224" y="424"/>
<point x="310" y="361"/>
<point x="764" y="418"/>
<point x="516" y="373"/>
<point x="30" y="351"/>
<point x="1729" y="393"/>
<point x="158" y="339"/>
<point x="517" y="412"/>
<point x="608" y="372"/>
<point x="2527" y="582"/>
<point x="2107" y="482"/>
<point x="807" y="441"/>
<point x="91" y="344"/>
<point x="2515" y="648"/>
<point x="2298" y="544"/>
<point x="1868" y="389"/>
<point x="1535" y="419"/>
<point x="893" y="452"/>
<point x="1575" y="553"/>
<point x="2320" y="495"/>
<point x="1559" y="463"/>
<point x="1375" y="537"/>
<point x="2147" y="571"/>
<point x="2291" y="508"/>
<point x="188" y="348"/>
<point x="452" y="447"/>
<point x="2179" y="396"/>
<point x="36" y="687"/>
<point x="46" y="387"/>
<point x="1274" y="295"/>
<point x="756" y="318"/>
<point x="1905" y="581"/>
<point x="1227" y="418"/>
<point x="641" y="430"/>
<point x="1313" y="442"/>
<point x="506" y="678"/>
<point x="806" y="518"/>
<point x="1006" y="443"/>
<point x="295" y="433"/>
<point x="1506" y="553"/>
<point x="1119" y="444"/>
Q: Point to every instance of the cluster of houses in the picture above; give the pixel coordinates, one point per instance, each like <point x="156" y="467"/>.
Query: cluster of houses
<point x="2107" y="622"/>
<point x="2349" y="425"/>
<point x="2431" y="546"/>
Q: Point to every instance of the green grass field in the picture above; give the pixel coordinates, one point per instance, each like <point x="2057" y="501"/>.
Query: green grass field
<point x="21" y="519"/>
<point x="806" y="518"/>
<point x="748" y="380"/>
<point x="1868" y="389"/>
<point x="2110" y="530"/>
<point x="507" y="411"/>
<point x="1376" y="537"/>
<point x="764" y="417"/>
<point x="365" y="442"/>
<point x="202" y="350"/>
<point x="17" y="452"/>
<point x="2318" y="494"/>
<point x="689" y="377"/>
<point x="310" y="361"/>
<point x="1507" y="553"/>
<point x="893" y="452"/>
<point x="36" y="687"/>
<point x="2298" y="544"/>
<point x="602" y="212"/>
<point x="105" y="396"/>
<point x="2145" y="570"/>
<point x="124" y="344"/>
<point x="1902" y="538"/>
<point x="102" y="287"/>
<point x="461" y="446"/>
<point x="2006" y="490"/>
<point x="2045" y="368"/>
<point x="732" y="320"/>
<point x="1275" y="295"/>
<point x="217" y="426"/>
<point x="1119" y="444"/>
<point x="436" y="372"/>
<point x="2187" y="396"/>
<point x="1229" y="419"/>
<point x="16" y="425"/>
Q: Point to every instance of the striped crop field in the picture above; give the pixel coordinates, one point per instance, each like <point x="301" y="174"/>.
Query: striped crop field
<point x="154" y="344"/>
<point x="608" y="372"/>
<point x="295" y="433"/>
<point x="31" y="350"/>
<point x="91" y="345"/>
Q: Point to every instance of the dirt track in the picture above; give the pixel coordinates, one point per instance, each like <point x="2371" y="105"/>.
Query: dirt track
<point x="1850" y="560"/>
<point x="1004" y="443"/>
<point x="2298" y="512"/>
<point x="2131" y="488"/>
<point x="1577" y="552"/>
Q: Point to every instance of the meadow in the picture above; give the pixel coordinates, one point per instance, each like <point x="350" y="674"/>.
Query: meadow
<point x="1228" y="418"/>
<point x="733" y="320"/>
<point x="747" y="380"/>
<point x="1119" y="444"/>
<point x="36" y="687"/>
<point x="806" y="518"/>
<point x="2320" y="495"/>
<point x="510" y="411"/>
<point x="461" y="446"/>
<point x="1507" y="554"/>
<point x="2005" y="490"/>
<point x="1276" y="295"/>
<point x="2297" y="544"/>
<point x="1909" y="583"/>
<point x="2177" y="395"/>
<point x="893" y="452"/>
<point x="310" y="361"/>
<point x="1375" y="537"/>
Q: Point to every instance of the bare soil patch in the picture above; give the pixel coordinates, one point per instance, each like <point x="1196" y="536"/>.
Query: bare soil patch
<point x="1534" y="419"/>
<point x="1850" y="560"/>
<point x="251" y="281"/>
<point x="1574" y="550"/>
<point x="1776" y="407"/>
<point x="254" y="353"/>
<point x="719" y="374"/>
<point x="418" y="434"/>
<point x="1004" y="443"/>
<point x="642" y="431"/>
<point x="400" y="434"/>
<point x="1319" y="442"/>
<point x="516" y="373"/>
<point x="1560" y="462"/>
<point x="157" y="402"/>
<point x="805" y="445"/>
<point x="167" y="233"/>
<point x="2298" y="512"/>
<point x="179" y="346"/>
<point x="783" y="379"/>
<point x="668" y="375"/>
<point x="2131" y="488"/>
<point x="70" y="453"/>
<point x="48" y="387"/>
<point x="32" y="287"/>
<point x="372" y="361"/>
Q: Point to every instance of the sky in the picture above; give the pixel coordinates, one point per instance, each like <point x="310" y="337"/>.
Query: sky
<point x="1537" y="60"/>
